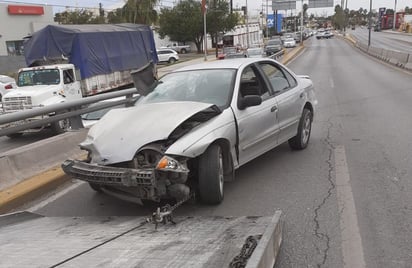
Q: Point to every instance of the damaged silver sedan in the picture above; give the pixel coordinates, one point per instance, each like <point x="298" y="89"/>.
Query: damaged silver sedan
<point x="195" y="128"/>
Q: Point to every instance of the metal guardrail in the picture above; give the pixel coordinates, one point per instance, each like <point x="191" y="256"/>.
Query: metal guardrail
<point x="277" y="55"/>
<point x="71" y="109"/>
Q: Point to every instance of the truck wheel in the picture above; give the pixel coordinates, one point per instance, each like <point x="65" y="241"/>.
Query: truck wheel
<point x="301" y="140"/>
<point x="211" y="177"/>
<point x="61" y="126"/>
<point x="172" y="60"/>
<point x="183" y="51"/>
<point x="95" y="187"/>
<point x="15" y="135"/>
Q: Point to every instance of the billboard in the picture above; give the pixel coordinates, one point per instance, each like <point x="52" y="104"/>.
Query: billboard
<point x="283" y="4"/>
<point x="320" y="3"/>
<point x="271" y="22"/>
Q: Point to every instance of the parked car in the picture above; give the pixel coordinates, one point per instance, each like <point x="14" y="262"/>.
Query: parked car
<point x="7" y="83"/>
<point x="273" y="46"/>
<point x="289" y="42"/>
<point x="195" y="128"/>
<point x="328" y="34"/>
<point x="167" y="55"/>
<point x="255" y="52"/>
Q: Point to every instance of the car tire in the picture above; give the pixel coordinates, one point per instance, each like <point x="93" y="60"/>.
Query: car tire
<point x="301" y="140"/>
<point x="172" y="60"/>
<point x="183" y="51"/>
<point x="211" y="175"/>
<point x="15" y="135"/>
<point x="96" y="187"/>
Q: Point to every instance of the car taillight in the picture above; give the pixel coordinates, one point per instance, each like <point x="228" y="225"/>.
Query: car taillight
<point x="8" y="87"/>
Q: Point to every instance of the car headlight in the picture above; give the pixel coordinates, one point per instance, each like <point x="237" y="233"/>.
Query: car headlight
<point x="167" y="163"/>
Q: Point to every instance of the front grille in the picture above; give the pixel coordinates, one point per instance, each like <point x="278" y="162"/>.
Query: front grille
<point x="110" y="176"/>
<point x="11" y="104"/>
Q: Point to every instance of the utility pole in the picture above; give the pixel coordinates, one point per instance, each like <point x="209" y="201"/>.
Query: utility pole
<point x="394" y="18"/>
<point x="301" y="26"/>
<point x="247" y="26"/>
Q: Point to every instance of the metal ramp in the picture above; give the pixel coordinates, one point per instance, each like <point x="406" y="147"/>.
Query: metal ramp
<point x="31" y="240"/>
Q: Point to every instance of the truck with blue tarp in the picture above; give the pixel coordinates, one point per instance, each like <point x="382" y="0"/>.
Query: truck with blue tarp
<point x="68" y="62"/>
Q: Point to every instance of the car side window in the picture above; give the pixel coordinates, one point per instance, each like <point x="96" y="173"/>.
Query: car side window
<point x="68" y="76"/>
<point x="276" y="77"/>
<point x="291" y="79"/>
<point x="250" y="84"/>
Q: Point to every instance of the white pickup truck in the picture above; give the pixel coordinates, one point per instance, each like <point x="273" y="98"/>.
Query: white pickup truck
<point x="182" y="49"/>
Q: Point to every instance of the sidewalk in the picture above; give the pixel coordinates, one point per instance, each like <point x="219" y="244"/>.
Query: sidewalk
<point x="17" y="190"/>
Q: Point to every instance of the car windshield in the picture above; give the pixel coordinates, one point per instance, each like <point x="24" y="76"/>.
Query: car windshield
<point x="209" y="86"/>
<point x="39" y="77"/>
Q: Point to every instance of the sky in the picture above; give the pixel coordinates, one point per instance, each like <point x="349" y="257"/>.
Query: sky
<point x="254" y="6"/>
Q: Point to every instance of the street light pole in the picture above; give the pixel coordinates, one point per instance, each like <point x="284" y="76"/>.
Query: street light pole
<point x="301" y="26"/>
<point x="370" y="23"/>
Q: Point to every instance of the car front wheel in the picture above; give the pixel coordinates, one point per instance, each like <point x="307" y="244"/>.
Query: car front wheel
<point x="211" y="178"/>
<point x="301" y="140"/>
<point x="172" y="60"/>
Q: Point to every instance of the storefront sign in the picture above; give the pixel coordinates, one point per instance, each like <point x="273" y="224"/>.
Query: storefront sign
<point x="25" y="10"/>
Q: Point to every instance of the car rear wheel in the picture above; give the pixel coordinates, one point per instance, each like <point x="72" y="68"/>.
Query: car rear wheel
<point x="211" y="175"/>
<point x="183" y="51"/>
<point x="301" y="140"/>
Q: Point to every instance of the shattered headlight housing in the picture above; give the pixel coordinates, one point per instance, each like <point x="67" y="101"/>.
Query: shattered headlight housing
<point x="167" y="163"/>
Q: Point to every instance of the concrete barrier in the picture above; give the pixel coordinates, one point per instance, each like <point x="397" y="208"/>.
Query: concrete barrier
<point x="408" y="64"/>
<point x="27" y="161"/>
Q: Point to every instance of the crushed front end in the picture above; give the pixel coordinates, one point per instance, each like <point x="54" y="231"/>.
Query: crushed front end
<point x="150" y="175"/>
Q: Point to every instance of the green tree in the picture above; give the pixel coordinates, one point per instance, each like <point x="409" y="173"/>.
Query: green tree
<point x="220" y="20"/>
<point x="140" y="11"/>
<point x="78" y="16"/>
<point x="338" y="19"/>
<point x="183" y="23"/>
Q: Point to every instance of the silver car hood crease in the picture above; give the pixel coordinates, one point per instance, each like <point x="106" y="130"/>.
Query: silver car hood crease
<point x="128" y="129"/>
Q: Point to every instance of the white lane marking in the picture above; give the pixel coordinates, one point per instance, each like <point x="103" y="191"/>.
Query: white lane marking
<point x="352" y="249"/>
<point x="332" y="83"/>
<point x="55" y="196"/>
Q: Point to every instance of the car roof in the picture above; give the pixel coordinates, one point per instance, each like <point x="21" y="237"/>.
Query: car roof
<point x="223" y="64"/>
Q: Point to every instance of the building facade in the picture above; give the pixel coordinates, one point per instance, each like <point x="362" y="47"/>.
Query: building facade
<point x="19" y="21"/>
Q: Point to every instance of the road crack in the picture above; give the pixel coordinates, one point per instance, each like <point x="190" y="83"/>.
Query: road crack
<point x="318" y="233"/>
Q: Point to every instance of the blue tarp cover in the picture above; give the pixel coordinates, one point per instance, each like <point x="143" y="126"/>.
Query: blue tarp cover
<point x="94" y="48"/>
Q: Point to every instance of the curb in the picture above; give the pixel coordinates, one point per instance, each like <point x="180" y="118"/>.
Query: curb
<point x="31" y="188"/>
<point x="37" y="185"/>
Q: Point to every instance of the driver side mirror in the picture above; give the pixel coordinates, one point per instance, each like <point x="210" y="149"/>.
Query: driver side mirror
<point x="249" y="100"/>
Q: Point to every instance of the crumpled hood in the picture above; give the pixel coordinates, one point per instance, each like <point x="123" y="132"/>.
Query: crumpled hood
<point x="121" y="132"/>
<point x="37" y="93"/>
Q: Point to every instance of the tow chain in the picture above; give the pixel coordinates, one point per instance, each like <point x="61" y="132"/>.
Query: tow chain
<point x="164" y="214"/>
<point x="249" y="246"/>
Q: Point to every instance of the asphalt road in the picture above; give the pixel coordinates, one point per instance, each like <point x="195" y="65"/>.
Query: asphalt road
<point x="387" y="40"/>
<point x="346" y="198"/>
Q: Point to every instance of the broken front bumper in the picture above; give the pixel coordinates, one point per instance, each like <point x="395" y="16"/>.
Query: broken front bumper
<point x="112" y="176"/>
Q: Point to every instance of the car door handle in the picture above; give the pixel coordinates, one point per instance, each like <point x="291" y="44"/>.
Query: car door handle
<point x="273" y="109"/>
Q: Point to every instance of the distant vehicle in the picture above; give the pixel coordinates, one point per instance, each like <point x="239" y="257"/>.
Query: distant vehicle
<point x="231" y="52"/>
<point x="167" y="55"/>
<point x="7" y="83"/>
<point x="182" y="49"/>
<point x="320" y="34"/>
<point x="273" y="46"/>
<point x="328" y="34"/>
<point x="289" y="42"/>
<point x="255" y="52"/>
